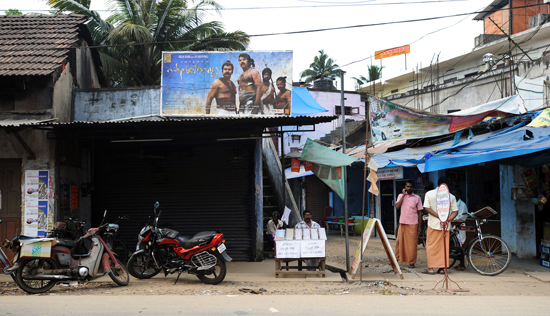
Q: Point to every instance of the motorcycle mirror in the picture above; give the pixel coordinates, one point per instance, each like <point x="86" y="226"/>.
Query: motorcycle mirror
<point x="104" y="214"/>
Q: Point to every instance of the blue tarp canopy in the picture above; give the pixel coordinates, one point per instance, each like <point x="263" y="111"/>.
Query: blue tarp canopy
<point x="303" y="103"/>
<point x="515" y="141"/>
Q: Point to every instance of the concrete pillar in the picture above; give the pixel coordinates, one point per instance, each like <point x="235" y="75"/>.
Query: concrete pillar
<point x="517" y="218"/>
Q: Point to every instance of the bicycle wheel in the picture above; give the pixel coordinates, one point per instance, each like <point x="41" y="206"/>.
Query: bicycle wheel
<point x="454" y="250"/>
<point x="490" y="255"/>
<point x="119" y="247"/>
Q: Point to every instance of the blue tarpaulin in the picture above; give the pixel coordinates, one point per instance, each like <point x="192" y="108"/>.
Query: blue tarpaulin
<point x="303" y="103"/>
<point x="512" y="142"/>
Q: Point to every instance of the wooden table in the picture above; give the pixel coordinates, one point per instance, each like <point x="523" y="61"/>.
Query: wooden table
<point x="300" y="268"/>
<point x="341" y="227"/>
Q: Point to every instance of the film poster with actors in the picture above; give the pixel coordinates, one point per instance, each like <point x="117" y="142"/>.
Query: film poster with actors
<point x="37" y="194"/>
<point x="226" y="83"/>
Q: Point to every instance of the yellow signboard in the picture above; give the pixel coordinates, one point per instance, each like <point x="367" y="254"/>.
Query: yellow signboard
<point x="392" y="52"/>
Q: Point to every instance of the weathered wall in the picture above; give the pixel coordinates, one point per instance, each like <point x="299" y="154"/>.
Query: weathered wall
<point x="62" y="95"/>
<point x="111" y="104"/>
<point x="44" y="152"/>
<point x="86" y="76"/>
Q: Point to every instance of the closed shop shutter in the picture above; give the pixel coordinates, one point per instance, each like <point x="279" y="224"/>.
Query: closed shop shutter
<point x="316" y="197"/>
<point x="199" y="187"/>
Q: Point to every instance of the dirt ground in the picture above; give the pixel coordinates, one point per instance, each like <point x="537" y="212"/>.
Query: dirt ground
<point x="375" y="262"/>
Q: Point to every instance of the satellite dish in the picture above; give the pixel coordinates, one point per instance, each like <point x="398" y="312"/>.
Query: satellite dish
<point x="443" y="200"/>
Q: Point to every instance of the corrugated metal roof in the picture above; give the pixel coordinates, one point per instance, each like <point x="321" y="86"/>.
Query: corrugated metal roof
<point x="36" y="44"/>
<point x="264" y="121"/>
<point x="17" y="123"/>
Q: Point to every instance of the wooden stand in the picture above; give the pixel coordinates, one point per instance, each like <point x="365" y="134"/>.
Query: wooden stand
<point x="301" y="269"/>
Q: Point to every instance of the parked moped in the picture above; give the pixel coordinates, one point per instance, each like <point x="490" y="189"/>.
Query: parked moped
<point x="39" y="275"/>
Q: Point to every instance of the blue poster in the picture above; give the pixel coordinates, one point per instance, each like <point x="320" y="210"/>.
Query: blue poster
<point x="42" y="218"/>
<point x="226" y="83"/>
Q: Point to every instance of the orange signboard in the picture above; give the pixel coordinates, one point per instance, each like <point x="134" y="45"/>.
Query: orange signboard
<point x="392" y="52"/>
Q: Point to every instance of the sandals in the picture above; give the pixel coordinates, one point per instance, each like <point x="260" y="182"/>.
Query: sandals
<point x="442" y="271"/>
<point x="425" y="271"/>
<point x="412" y="266"/>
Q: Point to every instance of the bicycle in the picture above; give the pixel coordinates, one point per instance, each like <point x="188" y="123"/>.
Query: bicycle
<point x="487" y="254"/>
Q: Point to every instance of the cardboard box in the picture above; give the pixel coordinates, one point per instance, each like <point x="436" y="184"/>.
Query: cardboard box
<point x="40" y="249"/>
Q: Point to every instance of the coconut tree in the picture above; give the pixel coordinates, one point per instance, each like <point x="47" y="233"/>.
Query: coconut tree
<point x="374" y="73"/>
<point x="322" y="66"/>
<point x="138" y="31"/>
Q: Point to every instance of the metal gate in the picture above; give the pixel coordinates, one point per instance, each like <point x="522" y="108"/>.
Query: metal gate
<point x="199" y="187"/>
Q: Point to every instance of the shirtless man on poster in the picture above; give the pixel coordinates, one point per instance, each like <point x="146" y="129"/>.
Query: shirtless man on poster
<point x="250" y="85"/>
<point x="284" y="97"/>
<point x="224" y="91"/>
<point x="268" y="92"/>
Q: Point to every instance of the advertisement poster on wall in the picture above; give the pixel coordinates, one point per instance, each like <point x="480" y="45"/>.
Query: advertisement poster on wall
<point x="36" y="200"/>
<point x="395" y="122"/>
<point x="226" y="83"/>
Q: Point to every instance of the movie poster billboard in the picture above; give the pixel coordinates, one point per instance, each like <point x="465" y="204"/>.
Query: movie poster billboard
<point x="37" y="220"/>
<point x="395" y="122"/>
<point x="226" y="83"/>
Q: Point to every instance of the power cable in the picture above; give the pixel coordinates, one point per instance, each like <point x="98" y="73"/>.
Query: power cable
<point x="269" y="8"/>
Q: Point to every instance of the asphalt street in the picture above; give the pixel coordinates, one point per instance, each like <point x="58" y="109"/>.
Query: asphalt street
<point x="445" y="304"/>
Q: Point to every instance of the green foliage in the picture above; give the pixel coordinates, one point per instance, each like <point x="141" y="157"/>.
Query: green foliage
<point x="13" y="12"/>
<point x="322" y="66"/>
<point x="374" y="72"/>
<point x="140" y="30"/>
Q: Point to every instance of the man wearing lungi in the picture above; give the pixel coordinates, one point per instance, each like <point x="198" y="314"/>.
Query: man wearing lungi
<point x="409" y="228"/>
<point x="434" y="238"/>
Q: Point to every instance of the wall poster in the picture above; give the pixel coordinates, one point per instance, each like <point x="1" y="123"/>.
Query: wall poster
<point x="226" y="83"/>
<point x="36" y="215"/>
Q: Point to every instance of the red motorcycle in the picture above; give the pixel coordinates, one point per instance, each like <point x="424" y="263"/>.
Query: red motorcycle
<point x="165" y="249"/>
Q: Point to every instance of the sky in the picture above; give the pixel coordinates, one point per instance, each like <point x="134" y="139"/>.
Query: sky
<point x="352" y="48"/>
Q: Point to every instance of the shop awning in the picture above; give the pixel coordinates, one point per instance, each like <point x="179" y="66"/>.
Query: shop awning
<point x="510" y="105"/>
<point x="515" y="141"/>
<point x="303" y="103"/>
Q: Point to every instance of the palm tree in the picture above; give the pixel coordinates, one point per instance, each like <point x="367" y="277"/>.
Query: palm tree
<point x="374" y="73"/>
<point x="139" y="30"/>
<point x="322" y="66"/>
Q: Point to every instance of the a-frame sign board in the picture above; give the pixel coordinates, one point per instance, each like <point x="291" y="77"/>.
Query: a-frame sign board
<point x="371" y="224"/>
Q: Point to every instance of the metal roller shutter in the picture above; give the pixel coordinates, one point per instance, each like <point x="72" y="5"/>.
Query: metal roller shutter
<point x="199" y="187"/>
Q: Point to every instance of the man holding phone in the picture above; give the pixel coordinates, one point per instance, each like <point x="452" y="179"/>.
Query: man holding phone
<point x="409" y="225"/>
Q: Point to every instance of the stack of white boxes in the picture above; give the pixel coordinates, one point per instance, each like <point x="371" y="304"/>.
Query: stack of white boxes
<point x="295" y="243"/>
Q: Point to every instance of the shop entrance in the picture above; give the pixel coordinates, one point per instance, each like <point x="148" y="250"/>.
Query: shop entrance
<point x="389" y="191"/>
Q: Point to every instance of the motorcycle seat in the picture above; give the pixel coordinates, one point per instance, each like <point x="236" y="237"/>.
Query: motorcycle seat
<point x="66" y="242"/>
<point x="187" y="241"/>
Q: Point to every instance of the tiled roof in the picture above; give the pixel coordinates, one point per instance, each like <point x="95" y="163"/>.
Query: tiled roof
<point x="36" y="44"/>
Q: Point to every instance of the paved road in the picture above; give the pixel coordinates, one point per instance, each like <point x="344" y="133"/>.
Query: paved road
<point x="274" y="305"/>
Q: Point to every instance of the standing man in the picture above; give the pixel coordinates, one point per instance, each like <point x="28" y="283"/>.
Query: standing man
<point x="250" y="85"/>
<point x="284" y="98"/>
<point x="267" y="99"/>
<point x="308" y="223"/>
<point x="434" y="239"/>
<point x="224" y="91"/>
<point x="409" y="228"/>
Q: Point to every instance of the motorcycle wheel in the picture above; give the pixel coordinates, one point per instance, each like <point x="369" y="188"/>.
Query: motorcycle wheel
<point x="215" y="274"/>
<point x="30" y="267"/>
<point x="119" y="276"/>
<point x="138" y="268"/>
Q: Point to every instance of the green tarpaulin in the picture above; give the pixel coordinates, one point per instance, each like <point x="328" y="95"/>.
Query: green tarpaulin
<point x="327" y="163"/>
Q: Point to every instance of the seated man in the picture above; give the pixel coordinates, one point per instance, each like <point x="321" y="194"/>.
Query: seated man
<point x="308" y="223"/>
<point x="272" y="226"/>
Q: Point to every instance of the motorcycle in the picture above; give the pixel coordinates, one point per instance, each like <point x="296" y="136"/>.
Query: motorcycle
<point x="165" y="249"/>
<point x="5" y="263"/>
<point x="38" y="275"/>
